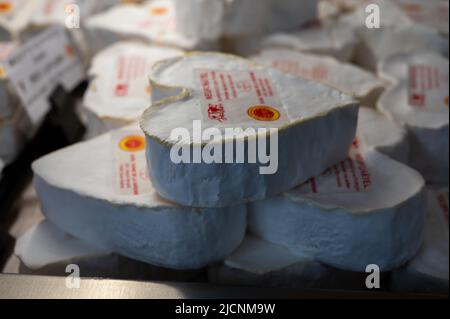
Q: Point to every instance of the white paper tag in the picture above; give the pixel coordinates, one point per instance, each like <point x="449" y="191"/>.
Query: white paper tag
<point x="130" y="166"/>
<point x="349" y="176"/>
<point x="428" y="87"/>
<point x="39" y="66"/>
<point x="238" y="96"/>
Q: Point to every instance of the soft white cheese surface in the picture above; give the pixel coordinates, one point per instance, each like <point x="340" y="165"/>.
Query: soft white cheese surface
<point x="44" y="244"/>
<point x="337" y="218"/>
<point x="119" y="90"/>
<point x="153" y="21"/>
<point x="419" y="101"/>
<point x="99" y="191"/>
<point x="334" y="39"/>
<point x="344" y="77"/>
<point x="244" y="95"/>
<point x="377" y="131"/>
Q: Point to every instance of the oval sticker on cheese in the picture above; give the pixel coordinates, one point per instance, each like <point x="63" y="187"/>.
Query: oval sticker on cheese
<point x="263" y="113"/>
<point x="132" y="143"/>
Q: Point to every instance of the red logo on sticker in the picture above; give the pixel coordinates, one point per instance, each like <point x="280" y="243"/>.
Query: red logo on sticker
<point x="216" y="112"/>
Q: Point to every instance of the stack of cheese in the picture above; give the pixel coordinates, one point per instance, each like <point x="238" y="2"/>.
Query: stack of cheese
<point x="119" y="91"/>
<point x="418" y="99"/>
<point x="99" y="191"/>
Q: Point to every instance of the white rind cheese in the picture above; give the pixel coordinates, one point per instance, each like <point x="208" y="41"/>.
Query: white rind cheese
<point x="352" y="216"/>
<point x="347" y="78"/>
<point x="320" y="120"/>
<point x="44" y="244"/>
<point x="337" y="40"/>
<point x="428" y="271"/>
<point x="420" y="103"/>
<point x="378" y="132"/>
<point x="377" y="45"/>
<point x="257" y="262"/>
<point x="153" y="22"/>
<point x="256" y="17"/>
<point x="395" y="69"/>
<point x="98" y="191"/>
<point x="119" y="91"/>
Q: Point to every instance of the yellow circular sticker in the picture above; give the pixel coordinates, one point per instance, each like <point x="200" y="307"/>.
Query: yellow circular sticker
<point x="5" y="6"/>
<point x="132" y="143"/>
<point x="263" y="113"/>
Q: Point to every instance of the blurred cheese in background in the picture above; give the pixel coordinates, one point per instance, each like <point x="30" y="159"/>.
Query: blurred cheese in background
<point x="347" y="217"/>
<point x="398" y="33"/>
<point x="154" y="22"/>
<point x="377" y="131"/>
<point x="336" y="39"/>
<point x="119" y="90"/>
<point x="428" y="271"/>
<point x="15" y="16"/>
<point x="379" y="44"/>
<point x="419" y="100"/>
<point x="259" y="17"/>
<point x="352" y="80"/>
<point x="99" y="191"/>
<point x="247" y="96"/>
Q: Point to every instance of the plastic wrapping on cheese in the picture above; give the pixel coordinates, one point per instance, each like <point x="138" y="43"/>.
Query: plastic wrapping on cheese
<point x="420" y="102"/>
<point x="249" y="108"/>
<point x="428" y="271"/>
<point x="119" y="91"/>
<point x="154" y="22"/>
<point x="257" y="17"/>
<point x="351" y="216"/>
<point x="99" y="191"/>
<point x="350" y="79"/>
<point x="378" y="132"/>
<point x="44" y="244"/>
<point x="379" y="44"/>
<point x="337" y="40"/>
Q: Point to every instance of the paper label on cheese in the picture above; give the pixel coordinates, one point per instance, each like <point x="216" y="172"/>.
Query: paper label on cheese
<point x="130" y="166"/>
<point x="238" y="95"/>
<point x="349" y="176"/>
<point x="39" y="66"/>
<point x="428" y="87"/>
<point x="160" y="17"/>
<point x="313" y="71"/>
<point x="131" y="77"/>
